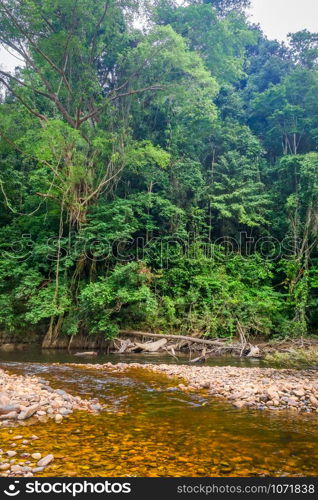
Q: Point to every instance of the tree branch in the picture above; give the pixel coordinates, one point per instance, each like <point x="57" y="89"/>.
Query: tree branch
<point x="98" y="25"/>
<point x="109" y="99"/>
<point x="101" y="185"/>
<point x="51" y="94"/>
<point x="15" y="146"/>
<point x="35" y="46"/>
<point x="25" y="104"/>
<point x="20" y="82"/>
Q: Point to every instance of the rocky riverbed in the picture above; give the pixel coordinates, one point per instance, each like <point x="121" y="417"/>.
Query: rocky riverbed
<point x="24" y="398"/>
<point x="260" y="388"/>
<point x="21" y="459"/>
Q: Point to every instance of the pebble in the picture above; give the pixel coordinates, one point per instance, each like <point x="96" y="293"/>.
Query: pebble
<point x="11" y="453"/>
<point x="261" y="388"/>
<point x="4" y="467"/>
<point x="23" y="397"/>
<point x="37" y="469"/>
<point x="16" y="468"/>
<point x="45" y="461"/>
<point x="65" y="411"/>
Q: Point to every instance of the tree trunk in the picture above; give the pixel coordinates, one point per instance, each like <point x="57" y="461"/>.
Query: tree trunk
<point x="53" y="332"/>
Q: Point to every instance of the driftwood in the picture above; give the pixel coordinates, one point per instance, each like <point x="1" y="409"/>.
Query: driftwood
<point x="241" y="332"/>
<point x="151" y="346"/>
<point x="194" y="340"/>
<point x="253" y="352"/>
<point x="200" y="359"/>
<point x="91" y="353"/>
<point x="124" y="345"/>
<point x="178" y="342"/>
<point x="170" y="349"/>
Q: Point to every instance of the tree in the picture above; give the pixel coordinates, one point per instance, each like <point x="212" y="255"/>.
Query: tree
<point x="285" y="114"/>
<point x="267" y="63"/>
<point x="79" y="97"/>
<point x="225" y="6"/>
<point x="135" y="160"/>
<point x="298" y="183"/>
<point x="221" y="42"/>
<point x="304" y="48"/>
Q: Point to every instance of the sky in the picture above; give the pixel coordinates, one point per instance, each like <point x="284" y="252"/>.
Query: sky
<point x="276" y="17"/>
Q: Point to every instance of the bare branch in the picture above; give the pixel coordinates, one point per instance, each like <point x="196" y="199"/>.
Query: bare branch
<point x="46" y="195"/>
<point x="51" y="94"/>
<point x="25" y="104"/>
<point x="136" y="91"/>
<point x="22" y="83"/>
<point x="12" y="54"/>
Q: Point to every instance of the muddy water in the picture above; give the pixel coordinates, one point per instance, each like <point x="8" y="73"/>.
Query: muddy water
<point x="151" y="429"/>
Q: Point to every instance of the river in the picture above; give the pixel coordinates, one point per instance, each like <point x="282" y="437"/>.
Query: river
<point x="151" y="429"/>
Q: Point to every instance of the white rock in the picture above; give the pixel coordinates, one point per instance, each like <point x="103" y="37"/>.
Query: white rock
<point x="45" y="461"/>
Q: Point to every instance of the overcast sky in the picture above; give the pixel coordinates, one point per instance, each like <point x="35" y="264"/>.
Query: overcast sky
<point x="280" y="17"/>
<point x="276" y="17"/>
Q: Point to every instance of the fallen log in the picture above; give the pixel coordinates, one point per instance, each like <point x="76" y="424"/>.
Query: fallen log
<point x="151" y="346"/>
<point x="136" y="333"/>
<point x="200" y="359"/>
<point x="91" y="353"/>
<point x="253" y="352"/>
<point x="124" y="345"/>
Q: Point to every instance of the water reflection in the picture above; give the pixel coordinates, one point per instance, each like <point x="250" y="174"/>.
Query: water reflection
<point x="37" y="354"/>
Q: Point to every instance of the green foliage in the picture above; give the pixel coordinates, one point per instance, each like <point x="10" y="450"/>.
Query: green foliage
<point x="134" y="161"/>
<point x="221" y="40"/>
<point x="285" y="115"/>
<point x="294" y="358"/>
<point x="124" y="294"/>
<point x="215" y="297"/>
<point x="304" y="47"/>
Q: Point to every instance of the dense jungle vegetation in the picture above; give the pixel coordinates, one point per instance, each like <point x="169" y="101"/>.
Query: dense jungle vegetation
<point x="158" y="170"/>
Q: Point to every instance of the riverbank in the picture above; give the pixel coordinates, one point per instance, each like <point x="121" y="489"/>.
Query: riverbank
<point x="297" y="353"/>
<point x="259" y="388"/>
<point x="23" y="397"/>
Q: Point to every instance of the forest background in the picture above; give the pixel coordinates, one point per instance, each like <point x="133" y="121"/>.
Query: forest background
<point x="158" y="171"/>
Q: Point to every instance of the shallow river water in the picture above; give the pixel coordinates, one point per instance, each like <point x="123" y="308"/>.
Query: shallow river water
<point x="151" y="429"/>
